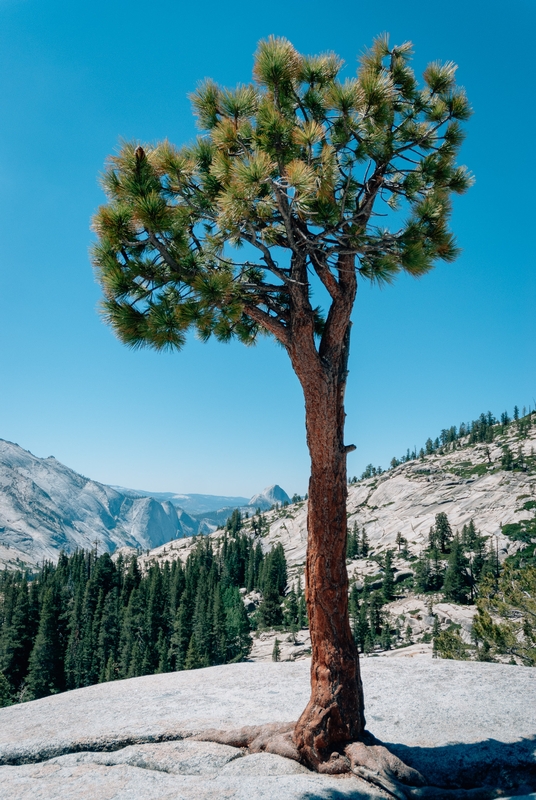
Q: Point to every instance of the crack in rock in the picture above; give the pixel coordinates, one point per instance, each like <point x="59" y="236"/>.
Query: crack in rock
<point x="103" y="745"/>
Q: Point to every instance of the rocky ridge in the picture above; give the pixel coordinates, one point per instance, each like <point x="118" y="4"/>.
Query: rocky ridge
<point x="45" y="508"/>
<point x="465" y="483"/>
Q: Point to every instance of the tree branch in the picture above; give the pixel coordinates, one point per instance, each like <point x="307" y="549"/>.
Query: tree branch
<point x="272" y="325"/>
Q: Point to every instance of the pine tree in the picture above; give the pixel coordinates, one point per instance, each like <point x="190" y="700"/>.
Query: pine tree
<point x="219" y="632"/>
<point x="108" y="637"/>
<point x="274" y="573"/>
<point x="409" y="634"/>
<point x="171" y="213"/>
<point x="443" y="532"/>
<point x="507" y="459"/>
<point x="436" y="630"/>
<point x="237" y="626"/>
<point x="388" y="582"/>
<point x="202" y="624"/>
<point x="421" y="577"/>
<point x="362" y="629"/>
<point x="5" y="691"/>
<point x="353" y="549"/>
<point x="385" y="638"/>
<point x="456" y="585"/>
<point x="276" y="651"/>
<point x="162" y="653"/>
<point x="291" y="610"/>
<point x="302" y="607"/>
<point x="193" y="659"/>
<point x="364" y="543"/>
<point x="16" y="641"/>
<point x="354" y="608"/>
<point x="133" y="634"/>
<point x="45" y="675"/>
<point x="74" y="651"/>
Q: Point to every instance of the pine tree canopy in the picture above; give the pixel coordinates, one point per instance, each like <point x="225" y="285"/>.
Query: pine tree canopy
<point x="299" y="174"/>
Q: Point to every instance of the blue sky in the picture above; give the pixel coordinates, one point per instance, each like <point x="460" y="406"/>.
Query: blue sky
<point x="225" y="419"/>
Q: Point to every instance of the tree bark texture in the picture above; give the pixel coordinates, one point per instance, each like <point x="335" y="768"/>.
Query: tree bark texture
<point x="335" y="712"/>
<point x="334" y="715"/>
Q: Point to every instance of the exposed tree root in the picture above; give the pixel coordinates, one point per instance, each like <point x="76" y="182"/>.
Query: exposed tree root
<point x="374" y="763"/>
<point x="368" y="759"/>
<point x="270" y="738"/>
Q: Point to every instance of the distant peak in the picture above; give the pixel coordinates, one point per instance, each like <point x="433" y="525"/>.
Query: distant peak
<point x="269" y="497"/>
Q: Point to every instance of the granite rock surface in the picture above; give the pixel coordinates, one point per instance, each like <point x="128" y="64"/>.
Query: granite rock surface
<point x="458" y="723"/>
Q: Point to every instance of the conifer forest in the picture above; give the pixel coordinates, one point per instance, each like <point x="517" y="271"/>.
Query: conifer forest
<point x="89" y="619"/>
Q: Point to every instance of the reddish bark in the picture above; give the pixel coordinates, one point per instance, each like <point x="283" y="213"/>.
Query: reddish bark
<point x="335" y="712"/>
<point x="334" y="715"/>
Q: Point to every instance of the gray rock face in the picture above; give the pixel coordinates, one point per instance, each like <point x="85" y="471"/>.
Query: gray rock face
<point x="453" y="721"/>
<point x="269" y="497"/>
<point x="46" y="507"/>
<point x="197" y="504"/>
<point x="406" y="500"/>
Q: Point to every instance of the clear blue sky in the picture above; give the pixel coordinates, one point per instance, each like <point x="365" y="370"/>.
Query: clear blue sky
<point x="75" y="77"/>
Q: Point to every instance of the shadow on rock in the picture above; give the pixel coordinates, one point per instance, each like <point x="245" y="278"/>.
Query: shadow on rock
<point x="492" y="764"/>
<point x="334" y="794"/>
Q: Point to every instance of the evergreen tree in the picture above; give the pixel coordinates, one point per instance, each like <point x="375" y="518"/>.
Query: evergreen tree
<point x="108" y="639"/>
<point x="507" y="459"/>
<point x="5" y="691"/>
<point x="436" y="630"/>
<point x="193" y="659"/>
<point x="362" y="630"/>
<point x="298" y="163"/>
<point x="386" y="640"/>
<point x="237" y="626"/>
<point x="353" y="608"/>
<point x="388" y="582"/>
<point x="437" y="571"/>
<point x="270" y="612"/>
<point x="45" y="675"/>
<point x="276" y="652"/>
<point x="302" y="608"/>
<point x="449" y="644"/>
<point x="421" y="577"/>
<point x="443" y="532"/>
<point x="456" y="584"/>
<point x="352" y="543"/>
<point x="375" y="605"/>
<point x="202" y="624"/>
<point x="219" y="629"/>
<point x="162" y="653"/>
<point x="364" y="543"/>
<point x="291" y="610"/>
<point x="274" y="581"/>
<point x="16" y="640"/>
<point x="133" y="640"/>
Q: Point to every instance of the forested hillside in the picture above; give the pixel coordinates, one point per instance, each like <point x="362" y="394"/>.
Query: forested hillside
<point x="88" y="619"/>
<point x="445" y="534"/>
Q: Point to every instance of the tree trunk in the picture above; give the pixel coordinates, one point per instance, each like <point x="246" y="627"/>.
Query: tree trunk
<point x="334" y="715"/>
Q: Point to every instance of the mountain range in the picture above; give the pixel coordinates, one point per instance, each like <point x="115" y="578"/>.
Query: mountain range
<point x="45" y="507"/>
